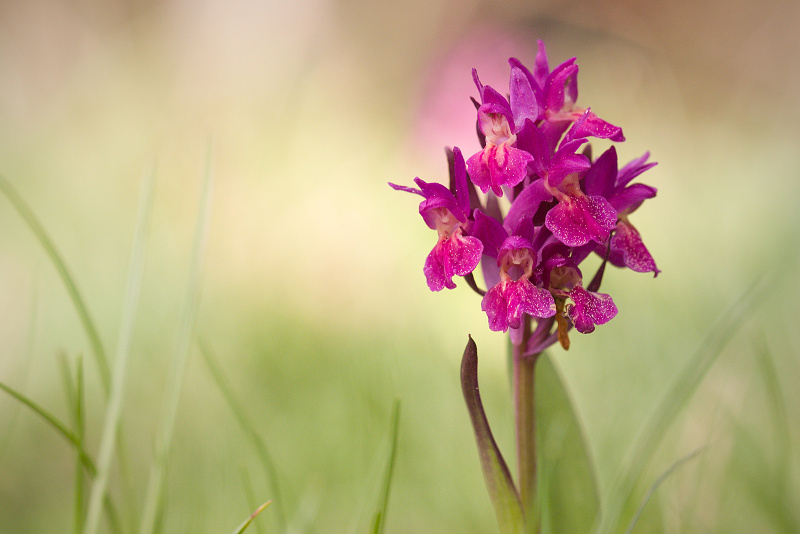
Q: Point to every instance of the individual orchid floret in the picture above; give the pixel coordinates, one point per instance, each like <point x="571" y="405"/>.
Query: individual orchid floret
<point x="589" y="309"/>
<point x="626" y="248"/>
<point x="501" y="163"/>
<point x="578" y="218"/>
<point x="557" y="92"/>
<point x="454" y="254"/>
<point x="515" y="295"/>
<point x="562" y="277"/>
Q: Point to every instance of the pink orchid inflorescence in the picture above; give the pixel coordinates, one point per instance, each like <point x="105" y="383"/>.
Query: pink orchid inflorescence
<point x="564" y="206"/>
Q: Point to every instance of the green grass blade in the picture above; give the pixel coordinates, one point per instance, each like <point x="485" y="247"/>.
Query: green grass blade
<point x="69" y="281"/>
<point x="77" y="403"/>
<point x="249" y="429"/>
<point x="27" y="361"/>
<point x="130" y="305"/>
<point x="60" y="427"/>
<point x="184" y="338"/>
<point x="777" y="405"/>
<point x="247" y="484"/>
<point x="657" y="483"/>
<point x="675" y="399"/>
<point x="380" y="516"/>
<point x="241" y="528"/>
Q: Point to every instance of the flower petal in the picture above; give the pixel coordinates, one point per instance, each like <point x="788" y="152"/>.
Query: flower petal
<point x="506" y="303"/>
<point x="456" y="256"/>
<point x="589" y="309"/>
<point x="578" y="220"/>
<point x="498" y="165"/>
<point x="523" y="100"/>
<point x="627" y="241"/>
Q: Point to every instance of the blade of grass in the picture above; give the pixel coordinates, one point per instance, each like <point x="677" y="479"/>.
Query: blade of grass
<point x="249" y="429"/>
<point x="247" y="484"/>
<point x="130" y="305"/>
<point x="75" y="399"/>
<point x="186" y="326"/>
<point x="380" y="515"/>
<point x="675" y="399"/>
<point x="657" y="483"/>
<point x="60" y="427"/>
<point x="26" y="366"/>
<point x="241" y="528"/>
<point x="780" y="417"/>
<point x="69" y="281"/>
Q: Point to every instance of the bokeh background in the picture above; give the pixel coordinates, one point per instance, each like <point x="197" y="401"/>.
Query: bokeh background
<point x="313" y="298"/>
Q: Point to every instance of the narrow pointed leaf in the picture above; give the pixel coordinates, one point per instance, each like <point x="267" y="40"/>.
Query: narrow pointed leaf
<point x="568" y="495"/>
<point x="499" y="484"/>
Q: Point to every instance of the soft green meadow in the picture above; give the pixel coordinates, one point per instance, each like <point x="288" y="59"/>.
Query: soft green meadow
<point x="210" y="300"/>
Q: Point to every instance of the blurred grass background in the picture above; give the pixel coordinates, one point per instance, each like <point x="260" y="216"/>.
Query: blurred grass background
<point x="313" y="299"/>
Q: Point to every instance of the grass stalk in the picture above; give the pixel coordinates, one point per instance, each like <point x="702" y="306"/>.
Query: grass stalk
<point x="129" y="308"/>
<point x="675" y="399"/>
<point x="69" y="281"/>
<point x="60" y="427"/>
<point x="153" y="495"/>
<point x="380" y="516"/>
<point x="250" y="431"/>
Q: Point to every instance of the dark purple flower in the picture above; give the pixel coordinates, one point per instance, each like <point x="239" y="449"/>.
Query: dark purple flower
<point x="564" y="280"/>
<point x="557" y="92"/>
<point x="515" y="294"/>
<point x="559" y="208"/>
<point x="589" y="309"/>
<point x="577" y="218"/>
<point x="501" y="163"/>
<point x="454" y="253"/>
<point x="626" y="247"/>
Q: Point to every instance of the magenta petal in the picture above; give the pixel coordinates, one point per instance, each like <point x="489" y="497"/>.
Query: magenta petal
<point x="524" y="297"/>
<point x="479" y="171"/>
<point x="496" y="166"/>
<point x="596" y="127"/>
<point x="523" y="101"/>
<point x="589" y="309"/>
<point x="541" y="68"/>
<point x="557" y="83"/>
<point x="627" y="241"/>
<point x="494" y="304"/>
<point x="490" y="232"/>
<point x="457" y="256"/>
<point x="578" y="220"/>
<point x="506" y="303"/>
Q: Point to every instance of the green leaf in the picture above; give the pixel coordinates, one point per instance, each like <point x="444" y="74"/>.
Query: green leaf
<point x="567" y="484"/>
<point x="499" y="484"/>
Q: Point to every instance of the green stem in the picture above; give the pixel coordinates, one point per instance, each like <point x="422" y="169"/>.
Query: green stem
<point x="525" y="422"/>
